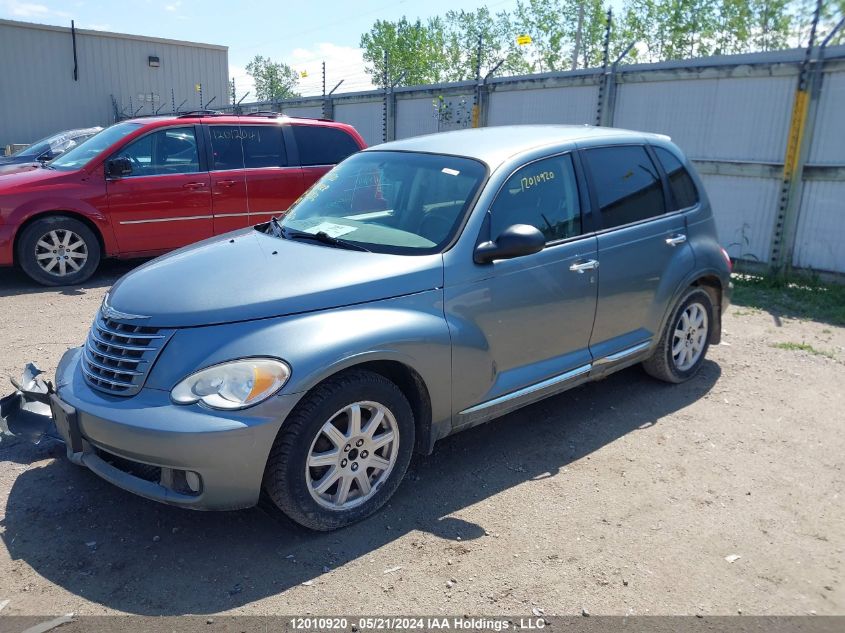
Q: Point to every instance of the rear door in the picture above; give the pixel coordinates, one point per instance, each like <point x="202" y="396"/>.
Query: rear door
<point x="642" y="250"/>
<point x="273" y="183"/>
<point x="165" y="202"/>
<point x="228" y="179"/>
<point x="319" y="148"/>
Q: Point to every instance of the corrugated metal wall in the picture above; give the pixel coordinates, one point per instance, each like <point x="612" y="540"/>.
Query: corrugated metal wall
<point x="365" y="116"/>
<point x="576" y="105"/>
<point x="820" y="240"/>
<point x="39" y="96"/>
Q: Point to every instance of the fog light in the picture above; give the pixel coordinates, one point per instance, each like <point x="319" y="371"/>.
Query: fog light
<point x="193" y="480"/>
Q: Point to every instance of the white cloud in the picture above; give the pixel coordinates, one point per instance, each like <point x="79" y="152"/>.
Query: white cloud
<point x="19" y="9"/>
<point x="243" y="83"/>
<point x="173" y="7"/>
<point x="342" y="62"/>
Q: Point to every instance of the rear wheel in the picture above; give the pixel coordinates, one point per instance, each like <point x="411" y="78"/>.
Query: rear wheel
<point x="58" y="251"/>
<point x="342" y="452"/>
<point x="685" y="340"/>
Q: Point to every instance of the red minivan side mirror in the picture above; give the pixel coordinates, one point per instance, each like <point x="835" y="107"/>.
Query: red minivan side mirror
<point x="118" y="167"/>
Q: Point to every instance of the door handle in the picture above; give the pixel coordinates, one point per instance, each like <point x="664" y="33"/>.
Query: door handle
<point x="582" y="267"/>
<point x="674" y="240"/>
<point x="225" y="183"/>
<point x="193" y="185"/>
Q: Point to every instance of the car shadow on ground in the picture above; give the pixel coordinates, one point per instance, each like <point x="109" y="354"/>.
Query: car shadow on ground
<point x="133" y="555"/>
<point x="14" y="282"/>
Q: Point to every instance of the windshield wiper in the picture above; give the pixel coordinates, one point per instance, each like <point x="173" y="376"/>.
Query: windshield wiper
<point x="323" y="238"/>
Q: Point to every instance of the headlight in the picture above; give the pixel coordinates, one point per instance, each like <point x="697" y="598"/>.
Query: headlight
<point x="233" y="385"/>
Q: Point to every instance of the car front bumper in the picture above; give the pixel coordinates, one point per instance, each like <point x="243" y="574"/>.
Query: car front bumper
<point x="184" y="455"/>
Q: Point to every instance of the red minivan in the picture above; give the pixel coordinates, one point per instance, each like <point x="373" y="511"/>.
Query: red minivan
<point x="145" y="186"/>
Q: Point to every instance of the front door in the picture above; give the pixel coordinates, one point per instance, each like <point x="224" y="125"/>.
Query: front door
<point x="165" y="201"/>
<point x="642" y="250"/>
<point x="521" y="327"/>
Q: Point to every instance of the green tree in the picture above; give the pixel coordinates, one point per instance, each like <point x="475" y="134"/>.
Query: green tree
<point x="551" y="32"/>
<point x="771" y="22"/>
<point x="273" y="80"/>
<point x="733" y="28"/>
<point x="463" y="29"/>
<point x="413" y="48"/>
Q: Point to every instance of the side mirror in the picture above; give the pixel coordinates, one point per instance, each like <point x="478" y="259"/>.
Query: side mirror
<point x="46" y="156"/>
<point x="515" y="241"/>
<point x="118" y="167"/>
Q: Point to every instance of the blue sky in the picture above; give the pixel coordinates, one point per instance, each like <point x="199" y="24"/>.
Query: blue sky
<point x="300" y="33"/>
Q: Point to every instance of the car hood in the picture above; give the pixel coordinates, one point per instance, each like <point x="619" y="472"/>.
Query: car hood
<point x="12" y="167"/>
<point x="249" y="275"/>
<point x="26" y="175"/>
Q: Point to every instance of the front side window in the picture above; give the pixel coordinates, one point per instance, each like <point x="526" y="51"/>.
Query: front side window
<point x="322" y="145"/>
<point x="543" y="194"/>
<point x="626" y="183"/>
<point x="167" y="151"/>
<point x="390" y="202"/>
<point x="680" y="182"/>
<point x="83" y="153"/>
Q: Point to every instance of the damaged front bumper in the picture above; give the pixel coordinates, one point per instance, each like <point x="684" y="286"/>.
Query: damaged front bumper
<point x="30" y="412"/>
<point x="187" y="456"/>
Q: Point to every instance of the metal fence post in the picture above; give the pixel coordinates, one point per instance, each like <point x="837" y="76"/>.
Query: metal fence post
<point x="797" y="144"/>
<point x="604" y="81"/>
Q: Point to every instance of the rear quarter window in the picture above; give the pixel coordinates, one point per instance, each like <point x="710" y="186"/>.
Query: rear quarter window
<point x="680" y="182"/>
<point x="322" y="145"/>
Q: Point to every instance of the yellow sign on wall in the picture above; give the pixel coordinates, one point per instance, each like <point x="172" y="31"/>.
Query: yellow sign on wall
<point x="303" y="74"/>
<point x="522" y="40"/>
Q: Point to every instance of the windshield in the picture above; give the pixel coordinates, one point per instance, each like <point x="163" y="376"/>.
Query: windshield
<point x="390" y="202"/>
<point x="37" y="148"/>
<point x="83" y="153"/>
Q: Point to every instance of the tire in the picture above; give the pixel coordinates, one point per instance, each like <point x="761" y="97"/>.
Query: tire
<point x="68" y="267"/>
<point x="678" y="360"/>
<point x="303" y="439"/>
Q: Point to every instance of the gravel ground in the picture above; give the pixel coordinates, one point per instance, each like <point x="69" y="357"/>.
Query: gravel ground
<point x="625" y="496"/>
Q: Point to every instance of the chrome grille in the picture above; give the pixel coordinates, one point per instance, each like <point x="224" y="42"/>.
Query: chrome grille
<point x="118" y="355"/>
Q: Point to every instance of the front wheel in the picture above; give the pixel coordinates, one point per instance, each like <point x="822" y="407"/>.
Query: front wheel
<point x="686" y="338"/>
<point x="342" y="452"/>
<point x="58" y="251"/>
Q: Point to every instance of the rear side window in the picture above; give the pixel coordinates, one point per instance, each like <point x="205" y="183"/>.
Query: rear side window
<point x="322" y="145"/>
<point x="543" y="194"/>
<point x="262" y="146"/>
<point x="680" y="182"/>
<point x="626" y="183"/>
<point x="226" y="147"/>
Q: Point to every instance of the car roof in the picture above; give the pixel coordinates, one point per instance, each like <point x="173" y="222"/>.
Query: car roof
<point x="494" y="145"/>
<point x="232" y="119"/>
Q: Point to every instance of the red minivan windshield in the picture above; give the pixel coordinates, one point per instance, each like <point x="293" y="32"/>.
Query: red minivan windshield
<point x="83" y="153"/>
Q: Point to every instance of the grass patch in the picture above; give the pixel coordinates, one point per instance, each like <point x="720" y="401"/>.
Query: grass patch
<point x="793" y="297"/>
<point x="803" y="347"/>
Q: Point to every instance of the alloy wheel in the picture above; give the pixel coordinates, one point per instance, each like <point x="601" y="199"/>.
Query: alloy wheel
<point x="690" y="336"/>
<point x="61" y="252"/>
<point x="352" y="455"/>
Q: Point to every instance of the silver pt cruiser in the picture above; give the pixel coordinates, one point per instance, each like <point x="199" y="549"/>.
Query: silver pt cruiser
<point x="420" y="288"/>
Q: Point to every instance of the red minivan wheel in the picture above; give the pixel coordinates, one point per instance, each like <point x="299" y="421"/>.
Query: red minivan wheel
<point x="58" y="251"/>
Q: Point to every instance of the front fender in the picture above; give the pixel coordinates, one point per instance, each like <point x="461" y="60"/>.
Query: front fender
<point x="69" y="206"/>
<point x="410" y="330"/>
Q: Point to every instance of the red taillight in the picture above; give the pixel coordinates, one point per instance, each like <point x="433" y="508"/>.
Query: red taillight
<point x="727" y="259"/>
